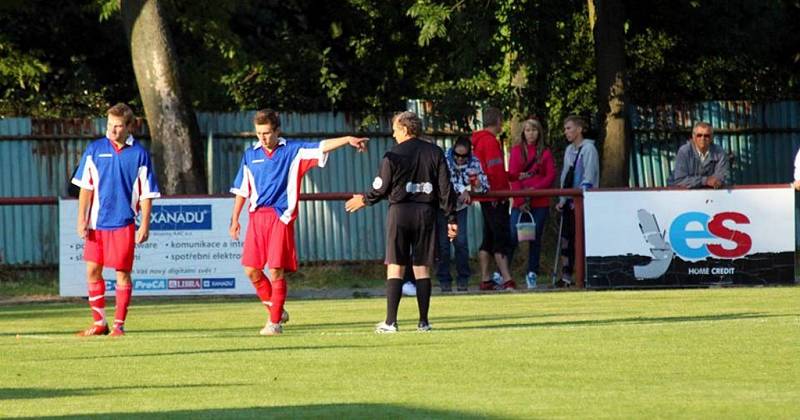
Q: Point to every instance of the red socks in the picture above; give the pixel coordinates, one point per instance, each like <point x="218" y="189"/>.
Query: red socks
<point x="97" y="301"/>
<point x="278" y="299"/>
<point x="123" y="300"/>
<point x="263" y="290"/>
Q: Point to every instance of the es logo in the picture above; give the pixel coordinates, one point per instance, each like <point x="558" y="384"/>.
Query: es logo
<point x="707" y="231"/>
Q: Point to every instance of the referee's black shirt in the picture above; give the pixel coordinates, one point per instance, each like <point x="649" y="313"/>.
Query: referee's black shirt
<point x="414" y="171"/>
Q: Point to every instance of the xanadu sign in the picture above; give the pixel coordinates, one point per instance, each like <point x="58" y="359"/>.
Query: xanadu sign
<point x="689" y="237"/>
<point x="189" y="251"/>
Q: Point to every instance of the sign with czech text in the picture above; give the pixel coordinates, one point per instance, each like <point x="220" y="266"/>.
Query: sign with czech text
<point x="189" y="251"/>
<point x="689" y="237"/>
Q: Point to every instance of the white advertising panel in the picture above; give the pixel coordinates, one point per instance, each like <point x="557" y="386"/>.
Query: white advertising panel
<point x="189" y="251"/>
<point x="689" y="237"/>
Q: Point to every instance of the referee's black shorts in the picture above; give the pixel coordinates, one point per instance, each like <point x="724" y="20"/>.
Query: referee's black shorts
<point x="496" y="227"/>
<point x="411" y="234"/>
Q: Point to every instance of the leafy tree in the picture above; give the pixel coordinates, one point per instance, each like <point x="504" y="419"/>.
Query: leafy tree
<point x="63" y="64"/>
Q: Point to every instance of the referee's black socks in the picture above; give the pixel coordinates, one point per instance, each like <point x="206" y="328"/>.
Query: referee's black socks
<point x="423" y="298"/>
<point x="394" y="290"/>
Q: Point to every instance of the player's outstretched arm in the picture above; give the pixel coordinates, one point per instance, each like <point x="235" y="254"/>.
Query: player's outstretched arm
<point x="234" y="228"/>
<point x="360" y="143"/>
<point x="144" y="227"/>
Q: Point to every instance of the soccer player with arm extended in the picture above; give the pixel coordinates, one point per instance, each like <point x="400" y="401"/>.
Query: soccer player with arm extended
<point x="269" y="176"/>
<point x="116" y="178"/>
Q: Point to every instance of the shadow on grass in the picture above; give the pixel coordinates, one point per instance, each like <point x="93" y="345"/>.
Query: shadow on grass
<point x="486" y="322"/>
<point x="362" y="326"/>
<point x="34" y="393"/>
<point x="238" y="350"/>
<point x="335" y="411"/>
<point x="412" y="319"/>
<point x="630" y="321"/>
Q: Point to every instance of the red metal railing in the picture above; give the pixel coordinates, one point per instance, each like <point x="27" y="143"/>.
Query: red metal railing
<point x="576" y="194"/>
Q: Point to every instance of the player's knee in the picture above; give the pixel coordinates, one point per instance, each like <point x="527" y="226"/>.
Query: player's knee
<point x="94" y="272"/>
<point x="276" y="273"/>
<point x="253" y="274"/>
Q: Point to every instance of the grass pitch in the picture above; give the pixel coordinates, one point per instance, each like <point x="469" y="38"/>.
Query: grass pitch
<point x="716" y="353"/>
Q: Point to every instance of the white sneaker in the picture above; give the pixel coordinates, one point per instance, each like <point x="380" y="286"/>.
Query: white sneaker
<point x="284" y="314"/>
<point x="384" y="328"/>
<point x="409" y="289"/>
<point x="530" y="279"/>
<point x="271" y="329"/>
<point x="497" y="278"/>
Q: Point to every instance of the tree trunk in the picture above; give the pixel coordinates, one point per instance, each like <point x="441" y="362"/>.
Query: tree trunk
<point x="176" y="146"/>
<point x="609" y="41"/>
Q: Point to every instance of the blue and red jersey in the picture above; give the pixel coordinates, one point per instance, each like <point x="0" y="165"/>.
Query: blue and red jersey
<point x="273" y="179"/>
<point x="120" y="178"/>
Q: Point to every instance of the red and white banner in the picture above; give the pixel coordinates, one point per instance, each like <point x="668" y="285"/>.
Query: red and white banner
<point x="689" y="237"/>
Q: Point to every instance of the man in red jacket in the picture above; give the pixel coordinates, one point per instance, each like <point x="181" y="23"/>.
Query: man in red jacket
<point x="496" y="229"/>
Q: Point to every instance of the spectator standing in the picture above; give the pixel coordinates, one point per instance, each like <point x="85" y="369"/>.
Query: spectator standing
<point x="581" y="170"/>
<point x="466" y="176"/>
<point x="530" y="167"/>
<point x="496" y="242"/>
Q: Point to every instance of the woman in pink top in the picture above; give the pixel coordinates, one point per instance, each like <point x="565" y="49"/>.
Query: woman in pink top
<point x="530" y="167"/>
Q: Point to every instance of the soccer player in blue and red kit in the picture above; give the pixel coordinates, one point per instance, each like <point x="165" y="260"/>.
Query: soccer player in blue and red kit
<point x="116" y="178"/>
<point x="269" y="176"/>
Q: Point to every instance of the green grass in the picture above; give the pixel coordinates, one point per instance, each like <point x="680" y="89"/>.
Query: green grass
<point x="16" y="282"/>
<point x="713" y="353"/>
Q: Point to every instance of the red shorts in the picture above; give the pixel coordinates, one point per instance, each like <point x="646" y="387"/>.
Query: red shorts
<point x="111" y="248"/>
<point x="269" y="242"/>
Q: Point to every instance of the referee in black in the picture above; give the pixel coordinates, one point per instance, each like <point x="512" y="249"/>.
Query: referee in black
<point x="414" y="178"/>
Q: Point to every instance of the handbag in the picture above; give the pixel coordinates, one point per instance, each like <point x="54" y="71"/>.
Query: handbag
<point x="526" y="231"/>
<point x="569" y="179"/>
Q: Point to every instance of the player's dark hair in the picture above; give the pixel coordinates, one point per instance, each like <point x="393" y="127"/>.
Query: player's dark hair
<point x="267" y="117"/>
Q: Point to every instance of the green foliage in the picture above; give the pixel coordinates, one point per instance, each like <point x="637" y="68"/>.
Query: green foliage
<point x="331" y="82"/>
<point x="740" y="49"/>
<point x="531" y="57"/>
<point x="62" y="64"/>
<point x="106" y="8"/>
<point x="21" y="68"/>
<point x="431" y="19"/>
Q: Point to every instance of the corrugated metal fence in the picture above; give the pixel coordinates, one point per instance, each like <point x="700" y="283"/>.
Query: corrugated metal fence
<point x="37" y="158"/>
